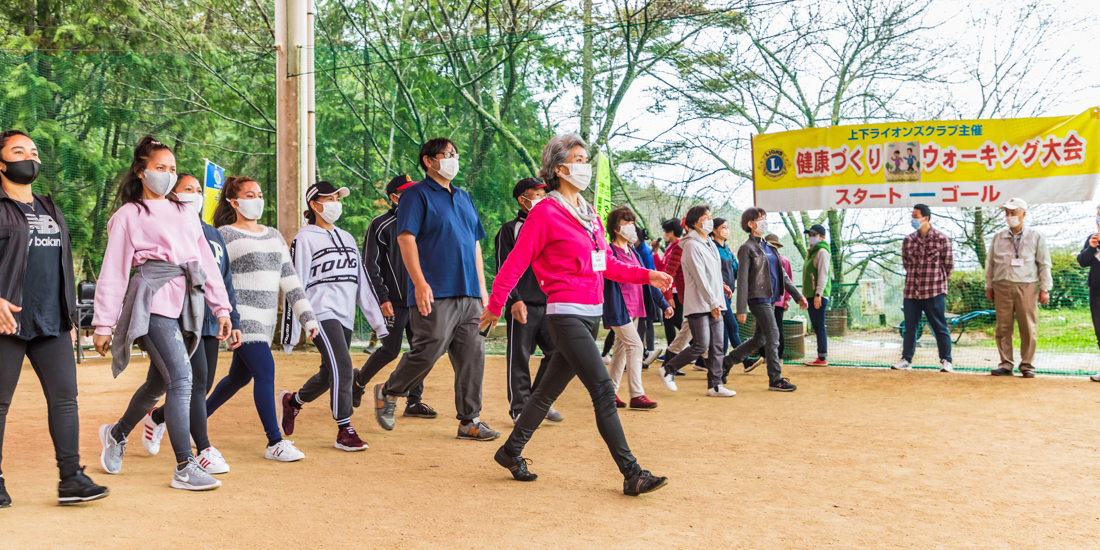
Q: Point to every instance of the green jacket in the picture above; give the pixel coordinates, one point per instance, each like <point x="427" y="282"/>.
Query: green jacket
<point x="810" y="280"/>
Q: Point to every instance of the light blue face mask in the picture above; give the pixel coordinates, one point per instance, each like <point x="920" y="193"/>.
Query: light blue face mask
<point x="1097" y="220"/>
<point x="916" y="223"/>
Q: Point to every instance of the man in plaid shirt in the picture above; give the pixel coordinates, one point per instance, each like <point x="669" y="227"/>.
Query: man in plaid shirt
<point x="926" y="257"/>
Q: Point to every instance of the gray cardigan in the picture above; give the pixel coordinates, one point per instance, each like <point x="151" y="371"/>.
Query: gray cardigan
<point x="133" y="322"/>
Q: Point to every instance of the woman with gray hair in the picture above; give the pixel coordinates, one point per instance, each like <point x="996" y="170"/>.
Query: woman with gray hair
<point x="563" y="242"/>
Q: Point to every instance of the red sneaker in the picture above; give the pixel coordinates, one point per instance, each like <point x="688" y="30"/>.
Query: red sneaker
<point x="816" y="363"/>
<point x="619" y="403"/>
<point x="286" y="399"/>
<point x="642" y="402"/>
<point x="348" y="440"/>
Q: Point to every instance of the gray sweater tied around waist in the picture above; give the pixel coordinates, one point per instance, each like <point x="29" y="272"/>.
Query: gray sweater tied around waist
<point x="133" y="322"/>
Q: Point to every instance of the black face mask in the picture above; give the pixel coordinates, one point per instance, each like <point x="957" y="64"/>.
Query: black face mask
<point x="23" y="172"/>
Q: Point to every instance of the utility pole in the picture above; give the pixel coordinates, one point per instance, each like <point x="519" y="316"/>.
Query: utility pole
<point x="295" y="149"/>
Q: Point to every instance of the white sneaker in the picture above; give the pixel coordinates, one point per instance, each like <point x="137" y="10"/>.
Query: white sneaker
<point x="607" y="359"/>
<point x="1095" y="377"/>
<point x="668" y="379"/>
<point x="653" y="355"/>
<point x="721" y="391"/>
<point x="151" y="434"/>
<point x="212" y="461"/>
<point x="902" y="365"/>
<point x="945" y="366"/>
<point x="284" y="451"/>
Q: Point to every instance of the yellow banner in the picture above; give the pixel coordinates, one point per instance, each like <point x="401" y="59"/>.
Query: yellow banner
<point x="938" y="163"/>
<point x="213" y="180"/>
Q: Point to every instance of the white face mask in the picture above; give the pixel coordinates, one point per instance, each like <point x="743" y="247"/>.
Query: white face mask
<point x="629" y="232"/>
<point x="448" y="168"/>
<point x="332" y="211"/>
<point x="532" y="202"/>
<point x="708" y="227"/>
<point x="250" y="209"/>
<point x="814" y="241"/>
<point x="160" y="183"/>
<point x="194" y="200"/>
<point x="580" y="175"/>
<point x="1013" y="221"/>
<point x="762" y="227"/>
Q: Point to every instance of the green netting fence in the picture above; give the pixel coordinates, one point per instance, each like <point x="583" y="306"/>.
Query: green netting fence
<point x="85" y="112"/>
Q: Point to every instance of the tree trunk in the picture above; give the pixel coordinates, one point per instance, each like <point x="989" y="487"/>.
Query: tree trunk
<point x="587" y="75"/>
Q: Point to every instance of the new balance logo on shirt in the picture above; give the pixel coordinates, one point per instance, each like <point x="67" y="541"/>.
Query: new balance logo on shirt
<point x="43" y="224"/>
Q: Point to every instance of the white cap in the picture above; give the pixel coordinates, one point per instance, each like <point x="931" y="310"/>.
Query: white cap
<point x="1013" y="204"/>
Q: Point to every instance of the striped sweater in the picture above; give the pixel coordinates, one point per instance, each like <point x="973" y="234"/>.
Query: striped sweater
<point x="262" y="267"/>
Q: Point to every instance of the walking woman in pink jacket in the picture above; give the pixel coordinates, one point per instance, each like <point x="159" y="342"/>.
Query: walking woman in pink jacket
<point x="564" y="243"/>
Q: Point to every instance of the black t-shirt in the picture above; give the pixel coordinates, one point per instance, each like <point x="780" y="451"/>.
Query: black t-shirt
<point x="42" y="292"/>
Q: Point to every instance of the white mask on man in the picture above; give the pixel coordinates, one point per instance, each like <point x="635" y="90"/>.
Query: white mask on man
<point x="448" y="168"/>
<point x="1013" y="221"/>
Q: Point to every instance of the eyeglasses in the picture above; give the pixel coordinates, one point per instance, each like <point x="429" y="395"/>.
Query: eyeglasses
<point x="450" y="155"/>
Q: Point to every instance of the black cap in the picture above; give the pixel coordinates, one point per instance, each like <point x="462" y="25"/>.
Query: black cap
<point x="398" y="184"/>
<point x="525" y="184"/>
<point x="324" y="189"/>
<point x="817" y="228"/>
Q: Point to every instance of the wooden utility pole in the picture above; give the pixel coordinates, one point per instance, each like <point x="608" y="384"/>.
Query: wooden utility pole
<point x="295" y="147"/>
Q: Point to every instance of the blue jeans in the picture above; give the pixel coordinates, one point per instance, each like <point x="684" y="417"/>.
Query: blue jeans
<point x="729" y="318"/>
<point x="933" y="309"/>
<point x="817" y="320"/>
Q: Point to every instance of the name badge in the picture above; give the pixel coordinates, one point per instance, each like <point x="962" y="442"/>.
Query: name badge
<point x="1017" y="262"/>
<point x="599" y="261"/>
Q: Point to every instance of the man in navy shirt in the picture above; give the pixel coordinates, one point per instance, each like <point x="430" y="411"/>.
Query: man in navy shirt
<point x="438" y="232"/>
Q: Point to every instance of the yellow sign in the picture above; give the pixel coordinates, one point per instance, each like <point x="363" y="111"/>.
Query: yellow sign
<point x="938" y="163"/>
<point x="214" y="177"/>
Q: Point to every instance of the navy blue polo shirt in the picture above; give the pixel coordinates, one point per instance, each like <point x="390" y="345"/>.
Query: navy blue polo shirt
<point x="447" y="228"/>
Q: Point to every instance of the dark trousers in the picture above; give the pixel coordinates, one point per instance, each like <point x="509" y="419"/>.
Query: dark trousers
<point x="707" y="332"/>
<point x="335" y="373"/>
<point x="204" y="365"/>
<point x="522" y="340"/>
<point x="252" y="362"/>
<point x="1094" y="306"/>
<point x="817" y="320"/>
<point x="672" y="324"/>
<point x="645" y="330"/>
<point x="766" y="335"/>
<point x="52" y="360"/>
<point x="390" y="350"/>
<point x="933" y="310"/>
<point x="451" y="327"/>
<point x="729" y="320"/>
<point x="576" y="355"/>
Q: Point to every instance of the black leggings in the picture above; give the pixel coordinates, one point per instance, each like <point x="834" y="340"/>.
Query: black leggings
<point x="53" y="361"/>
<point x="204" y="365"/>
<point x="577" y="355"/>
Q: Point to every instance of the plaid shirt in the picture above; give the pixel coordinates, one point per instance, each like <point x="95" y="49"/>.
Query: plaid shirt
<point x="928" y="263"/>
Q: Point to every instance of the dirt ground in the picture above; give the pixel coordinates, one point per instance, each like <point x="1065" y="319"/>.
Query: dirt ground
<point x="856" y="458"/>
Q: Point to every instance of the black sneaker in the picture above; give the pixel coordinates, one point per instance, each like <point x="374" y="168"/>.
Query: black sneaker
<point x="79" y="488"/>
<point x="419" y="410"/>
<point x="643" y="482"/>
<point x="1001" y="372"/>
<point x="357" y="391"/>
<point x="516" y="465"/>
<point x="5" y="500"/>
<point x="784" y="384"/>
<point x="1027" y="373"/>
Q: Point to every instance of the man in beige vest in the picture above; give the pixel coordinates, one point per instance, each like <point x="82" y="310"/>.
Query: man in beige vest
<point x="1017" y="280"/>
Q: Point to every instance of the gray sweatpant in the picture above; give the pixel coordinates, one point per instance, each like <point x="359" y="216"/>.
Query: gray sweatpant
<point x="169" y="373"/>
<point x="336" y="372"/>
<point x="709" y="339"/>
<point x="451" y="327"/>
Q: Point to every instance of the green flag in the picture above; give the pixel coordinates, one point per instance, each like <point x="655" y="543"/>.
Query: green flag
<point x="603" y="186"/>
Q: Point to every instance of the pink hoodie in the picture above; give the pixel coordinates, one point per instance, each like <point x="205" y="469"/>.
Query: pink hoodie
<point x="167" y="233"/>
<point x="559" y="251"/>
